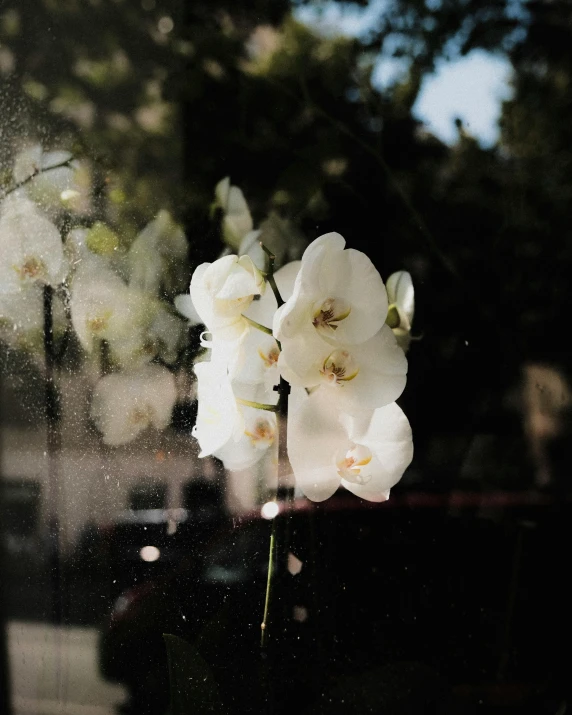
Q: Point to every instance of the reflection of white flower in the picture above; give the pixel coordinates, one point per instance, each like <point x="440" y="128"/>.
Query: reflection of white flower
<point x="136" y="326"/>
<point x="22" y="318"/>
<point x="220" y="293"/>
<point x="236" y="221"/>
<point x="367" y="454"/>
<point x="401" y="297"/>
<point x="125" y="404"/>
<point x="157" y="257"/>
<point x="31" y="248"/>
<point x="52" y="188"/>
<point x="338" y="295"/>
<point x="279" y="236"/>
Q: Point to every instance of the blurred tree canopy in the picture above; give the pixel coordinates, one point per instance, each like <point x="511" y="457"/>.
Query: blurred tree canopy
<point x="166" y="97"/>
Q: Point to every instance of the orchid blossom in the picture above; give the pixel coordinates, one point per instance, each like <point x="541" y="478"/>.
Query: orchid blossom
<point x="220" y="293"/>
<point x="31" y="250"/>
<point x="53" y="180"/>
<point x="328" y="340"/>
<point x="367" y="454"/>
<point x="401" y="309"/>
<point x="125" y="404"/>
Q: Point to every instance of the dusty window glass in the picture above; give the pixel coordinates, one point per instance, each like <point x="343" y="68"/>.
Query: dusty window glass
<point x="285" y="386"/>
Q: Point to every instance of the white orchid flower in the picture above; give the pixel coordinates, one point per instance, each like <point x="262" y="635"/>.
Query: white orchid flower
<point x="259" y="434"/>
<point x="53" y="188"/>
<point x="260" y="351"/>
<point x="157" y="256"/>
<point x="218" y="415"/>
<point x="367" y="454"/>
<point x="100" y="304"/>
<point x="220" y="293"/>
<point x="252" y="358"/>
<point x="125" y="404"/>
<point x="236" y="221"/>
<point x="136" y="326"/>
<point x="363" y="376"/>
<point x="339" y="296"/>
<point x="31" y="248"/>
<point x="237" y="434"/>
<point x="401" y="296"/>
<point x="22" y="318"/>
<point x="164" y="333"/>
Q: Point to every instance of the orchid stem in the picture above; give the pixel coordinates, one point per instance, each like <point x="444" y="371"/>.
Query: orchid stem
<point x="270" y="274"/>
<point x="257" y="405"/>
<point x="282" y="409"/>
<point x="258" y="326"/>
<point x="271" y="558"/>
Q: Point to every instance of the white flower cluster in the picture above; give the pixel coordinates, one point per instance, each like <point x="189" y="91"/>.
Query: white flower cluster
<point x="109" y="295"/>
<point x="330" y="342"/>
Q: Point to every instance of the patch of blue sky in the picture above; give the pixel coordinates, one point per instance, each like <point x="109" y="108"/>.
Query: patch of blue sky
<point x="471" y="88"/>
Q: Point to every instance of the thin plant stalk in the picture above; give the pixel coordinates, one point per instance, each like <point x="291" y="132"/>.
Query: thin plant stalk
<point x="32" y="176"/>
<point x="53" y="448"/>
<point x="282" y="409"/>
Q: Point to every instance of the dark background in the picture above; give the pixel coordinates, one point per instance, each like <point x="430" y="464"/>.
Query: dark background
<point x="164" y="114"/>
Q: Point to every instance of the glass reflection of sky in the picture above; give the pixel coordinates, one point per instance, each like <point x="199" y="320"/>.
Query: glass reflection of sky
<point x="471" y="88"/>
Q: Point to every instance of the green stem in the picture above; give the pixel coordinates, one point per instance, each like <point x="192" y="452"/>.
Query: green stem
<point x="282" y="408"/>
<point x="271" y="558"/>
<point x="258" y="326"/>
<point x="257" y="405"/>
<point x="270" y="274"/>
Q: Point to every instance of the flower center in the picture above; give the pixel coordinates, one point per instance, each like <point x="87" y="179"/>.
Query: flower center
<point x="352" y="463"/>
<point x="98" y="323"/>
<point x="141" y="415"/>
<point x="331" y="312"/>
<point x="269" y="357"/>
<point x="262" y="433"/>
<point x="31" y="268"/>
<point x="339" y="367"/>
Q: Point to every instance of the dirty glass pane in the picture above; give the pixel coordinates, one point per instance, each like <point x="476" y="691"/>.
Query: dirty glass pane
<point x="357" y="502"/>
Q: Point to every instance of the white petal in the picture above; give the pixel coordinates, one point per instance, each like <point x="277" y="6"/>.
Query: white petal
<point x="302" y="358"/>
<point x="125" y="404"/>
<point x="221" y="191"/>
<point x="200" y="298"/>
<point x="27" y="162"/>
<point x="381" y="378"/>
<point x="314" y="254"/>
<point x="388" y="436"/>
<point x="241" y="281"/>
<point x="184" y="304"/>
<point x="217" y="411"/>
<point x="351" y="276"/>
<point x="400" y="291"/>
<point x="259" y="434"/>
<point x="314" y="436"/>
<point x="31" y="247"/>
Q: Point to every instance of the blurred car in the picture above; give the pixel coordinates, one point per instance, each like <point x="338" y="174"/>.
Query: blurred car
<point x="137" y="546"/>
<point x="420" y="603"/>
